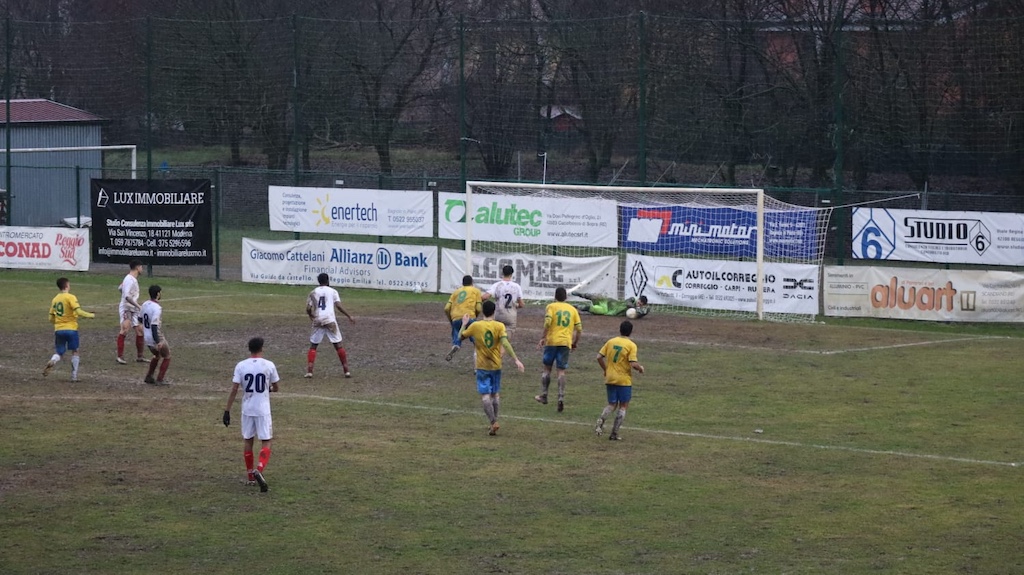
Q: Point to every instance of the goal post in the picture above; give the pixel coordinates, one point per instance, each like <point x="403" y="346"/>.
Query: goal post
<point x="714" y="251"/>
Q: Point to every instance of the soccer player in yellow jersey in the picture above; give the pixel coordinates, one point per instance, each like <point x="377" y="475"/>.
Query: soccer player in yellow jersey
<point x="490" y="338"/>
<point x="467" y="300"/>
<point x="562" y="330"/>
<point x="64" y="314"/>
<point x="617" y="360"/>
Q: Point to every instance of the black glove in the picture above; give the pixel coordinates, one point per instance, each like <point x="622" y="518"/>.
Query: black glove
<point x="227" y="418"/>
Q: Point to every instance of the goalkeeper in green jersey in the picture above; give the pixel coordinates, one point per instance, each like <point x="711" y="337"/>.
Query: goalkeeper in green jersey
<point x="600" y="305"/>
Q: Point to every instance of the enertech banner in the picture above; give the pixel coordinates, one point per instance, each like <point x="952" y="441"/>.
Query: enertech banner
<point x="350" y="264"/>
<point x="534" y="220"/>
<point x="352" y="211"/>
<point x="539" y="275"/>
<point x="44" y="248"/>
<point x="932" y="295"/>
<point x="166" y="222"/>
<point x="724" y="285"/>
<point x="940" y="237"/>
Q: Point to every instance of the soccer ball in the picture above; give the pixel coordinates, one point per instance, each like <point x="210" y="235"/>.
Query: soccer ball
<point x="417" y="289"/>
<point x="631" y="313"/>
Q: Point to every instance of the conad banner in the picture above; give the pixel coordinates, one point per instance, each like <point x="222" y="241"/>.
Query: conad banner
<point x="352" y="211"/>
<point x="940" y="237"/>
<point x="44" y="248"/>
<point x="537" y="220"/>
<point x="934" y="295"/>
<point x="539" y="275"/>
<point x="723" y="285"/>
<point x="349" y="264"/>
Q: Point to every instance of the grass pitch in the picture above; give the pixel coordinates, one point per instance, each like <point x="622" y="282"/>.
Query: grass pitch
<point x="749" y="447"/>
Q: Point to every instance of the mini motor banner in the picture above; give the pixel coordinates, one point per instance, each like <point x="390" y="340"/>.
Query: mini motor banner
<point x="164" y="222"/>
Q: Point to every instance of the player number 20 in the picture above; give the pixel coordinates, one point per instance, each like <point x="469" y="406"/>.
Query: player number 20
<point x="255" y="382"/>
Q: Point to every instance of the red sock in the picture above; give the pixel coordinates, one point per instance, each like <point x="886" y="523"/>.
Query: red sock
<point x="343" y="357"/>
<point x="163" y="368"/>
<point x="152" y="366"/>
<point x="248" y="461"/>
<point x="120" y="345"/>
<point x="139" y="341"/>
<point x="310" y="359"/>
<point x="264" y="458"/>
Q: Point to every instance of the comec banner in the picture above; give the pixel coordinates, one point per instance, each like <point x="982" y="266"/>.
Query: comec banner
<point x="723" y="285"/>
<point x="165" y="222"/>
<point x="349" y="264"/>
<point x="529" y="219"/>
<point x="44" y="248"/>
<point x="931" y="295"/>
<point x="725" y="232"/>
<point x="939" y="237"/>
<point x="352" y="211"/>
<point x="539" y="275"/>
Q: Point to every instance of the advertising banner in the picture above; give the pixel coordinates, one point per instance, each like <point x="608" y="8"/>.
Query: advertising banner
<point x="685" y="230"/>
<point x="352" y="211"/>
<point x="349" y="264"/>
<point x="529" y="219"/>
<point x="921" y="294"/>
<point x="539" y="275"/>
<point x="167" y="222"/>
<point x="723" y="285"/>
<point x="44" y="248"/>
<point x="940" y="237"/>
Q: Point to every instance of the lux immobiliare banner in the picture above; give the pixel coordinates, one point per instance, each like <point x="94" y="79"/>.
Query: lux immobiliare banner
<point x="922" y="294"/>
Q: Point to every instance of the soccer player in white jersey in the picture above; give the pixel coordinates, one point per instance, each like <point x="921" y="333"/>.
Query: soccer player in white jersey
<point x="128" y="310"/>
<point x="320" y="307"/>
<point x="151" y="319"/>
<point x="508" y="299"/>
<point x="258" y="378"/>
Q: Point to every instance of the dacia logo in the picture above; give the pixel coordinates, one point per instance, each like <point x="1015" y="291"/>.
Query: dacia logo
<point x="793" y="283"/>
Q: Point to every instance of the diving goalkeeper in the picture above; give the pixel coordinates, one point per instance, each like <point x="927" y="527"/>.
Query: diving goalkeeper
<point x="600" y="305"/>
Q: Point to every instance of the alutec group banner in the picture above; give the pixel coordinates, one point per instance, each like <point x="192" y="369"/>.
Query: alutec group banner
<point x="940" y="237"/>
<point x="166" y="222"/>
<point x="723" y="284"/>
<point x="539" y="275"/>
<point x="922" y="294"/>
<point x="352" y="211"/>
<point x="529" y="219"/>
<point x="349" y="264"/>
<point x="44" y="248"/>
<point x="686" y="230"/>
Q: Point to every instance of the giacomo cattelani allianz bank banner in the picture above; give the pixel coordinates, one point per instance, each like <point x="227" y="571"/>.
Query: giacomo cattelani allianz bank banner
<point x="942" y="237"/>
<point x="166" y="222"/>
<point x="933" y="295"/>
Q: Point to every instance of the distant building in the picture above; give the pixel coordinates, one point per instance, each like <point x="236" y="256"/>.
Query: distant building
<point x="564" y="119"/>
<point x="43" y="187"/>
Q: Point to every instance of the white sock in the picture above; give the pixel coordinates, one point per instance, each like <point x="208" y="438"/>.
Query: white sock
<point x="74" y="365"/>
<point x="55" y="359"/>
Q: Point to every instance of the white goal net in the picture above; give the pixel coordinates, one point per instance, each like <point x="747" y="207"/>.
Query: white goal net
<point x="715" y="251"/>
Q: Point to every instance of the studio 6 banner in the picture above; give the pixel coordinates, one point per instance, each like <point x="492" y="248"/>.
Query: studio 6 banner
<point x="940" y="237"/>
<point x="44" y="248"/>
<point x="166" y="222"/>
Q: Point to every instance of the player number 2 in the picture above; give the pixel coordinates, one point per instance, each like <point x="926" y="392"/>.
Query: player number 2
<point x="255" y="382"/>
<point x="508" y="301"/>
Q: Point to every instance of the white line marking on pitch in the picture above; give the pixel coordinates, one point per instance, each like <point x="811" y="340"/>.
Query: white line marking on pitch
<point x="776" y="442"/>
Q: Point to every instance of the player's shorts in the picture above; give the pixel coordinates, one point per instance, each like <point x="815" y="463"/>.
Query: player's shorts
<point x="488" y="381"/>
<point x="456" y="328"/>
<point x="507" y="317"/>
<point x="319" y="331"/>
<point x="64" y="340"/>
<point x="154" y="337"/>
<point x="557" y="355"/>
<point x="129" y="315"/>
<point x="261" y="426"/>
<point x="619" y="393"/>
